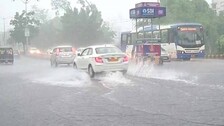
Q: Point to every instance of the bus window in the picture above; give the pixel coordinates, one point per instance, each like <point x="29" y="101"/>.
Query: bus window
<point x="190" y="36"/>
<point x="148" y="35"/>
<point x="126" y="38"/>
<point x="124" y="41"/>
<point x="170" y="36"/>
<point x="129" y="39"/>
<point x="164" y="34"/>
<point x="156" y="35"/>
<point x="133" y="38"/>
<point x="123" y="37"/>
<point x="140" y="35"/>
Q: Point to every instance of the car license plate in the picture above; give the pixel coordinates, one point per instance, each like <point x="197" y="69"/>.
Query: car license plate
<point x="113" y="59"/>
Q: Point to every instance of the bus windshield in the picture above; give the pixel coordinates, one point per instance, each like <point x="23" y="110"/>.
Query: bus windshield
<point x="190" y="38"/>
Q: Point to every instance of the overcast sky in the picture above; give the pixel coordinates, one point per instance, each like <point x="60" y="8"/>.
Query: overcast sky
<point x="114" y="11"/>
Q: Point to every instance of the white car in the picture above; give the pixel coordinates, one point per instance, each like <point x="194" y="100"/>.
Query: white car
<point x="101" y="58"/>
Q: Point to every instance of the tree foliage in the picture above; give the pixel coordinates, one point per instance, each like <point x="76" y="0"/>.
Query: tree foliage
<point x="40" y="14"/>
<point x="220" y="44"/>
<point x="77" y="26"/>
<point x="49" y="30"/>
<point x="60" y="4"/>
<point x="49" y="34"/>
<point x="85" y="26"/>
<point x="20" y="22"/>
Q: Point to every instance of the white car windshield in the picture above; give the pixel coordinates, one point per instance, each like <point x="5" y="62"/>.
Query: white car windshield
<point x="105" y="50"/>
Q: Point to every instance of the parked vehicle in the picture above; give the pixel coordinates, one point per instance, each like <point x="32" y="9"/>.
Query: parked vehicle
<point x="62" y="55"/>
<point x="6" y="55"/>
<point x="101" y="58"/>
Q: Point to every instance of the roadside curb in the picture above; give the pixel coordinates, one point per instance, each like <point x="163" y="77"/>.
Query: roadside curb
<point x="215" y="56"/>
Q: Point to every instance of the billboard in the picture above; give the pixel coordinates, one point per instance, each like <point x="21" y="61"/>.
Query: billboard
<point x="147" y="4"/>
<point x="147" y="12"/>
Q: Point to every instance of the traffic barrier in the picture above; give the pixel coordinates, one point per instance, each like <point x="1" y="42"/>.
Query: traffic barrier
<point x="207" y="56"/>
<point x="214" y="56"/>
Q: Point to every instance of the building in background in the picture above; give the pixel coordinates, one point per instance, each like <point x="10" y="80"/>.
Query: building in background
<point x="4" y="37"/>
<point x="218" y="6"/>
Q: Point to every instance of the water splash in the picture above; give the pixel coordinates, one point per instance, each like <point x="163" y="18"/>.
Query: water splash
<point x="61" y="77"/>
<point x="114" y="79"/>
<point x="160" y="72"/>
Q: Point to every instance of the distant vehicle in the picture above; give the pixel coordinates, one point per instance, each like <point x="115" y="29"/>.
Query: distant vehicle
<point x="181" y="40"/>
<point x="101" y="58"/>
<point x="6" y="55"/>
<point x="62" y="55"/>
<point x="34" y="50"/>
<point x="49" y="51"/>
<point x="16" y="53"/>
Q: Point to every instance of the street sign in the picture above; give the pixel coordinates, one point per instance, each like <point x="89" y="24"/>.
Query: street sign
<point x="27" y="32"/>
<point x="147" y="12"/>
<point x="134" y="13"/>
<point x="147" y="4"/>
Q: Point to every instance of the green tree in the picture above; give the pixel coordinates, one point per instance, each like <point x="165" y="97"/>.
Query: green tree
<point x="60" y="6"/>
<point x="40" y="14"/>
<point x="220" y="44"/>
<point x="49" y="31"/>
<point x="50" y="34"/>
<point x="83" y="26"/>
<point x="20" y="22"/>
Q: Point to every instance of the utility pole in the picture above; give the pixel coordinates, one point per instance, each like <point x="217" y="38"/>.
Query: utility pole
<point x="219" y="46"/>
<point x="26" y="28"/>
<point x="4" y="43"/>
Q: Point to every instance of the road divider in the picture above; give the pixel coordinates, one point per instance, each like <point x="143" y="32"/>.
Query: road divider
<point x="215" y="56"/>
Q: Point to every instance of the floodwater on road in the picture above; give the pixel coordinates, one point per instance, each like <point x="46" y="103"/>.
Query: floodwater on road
<point x="177" y="93"/>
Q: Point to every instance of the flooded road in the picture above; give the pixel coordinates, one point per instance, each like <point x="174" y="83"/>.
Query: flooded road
<point x="187" y="93"/>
